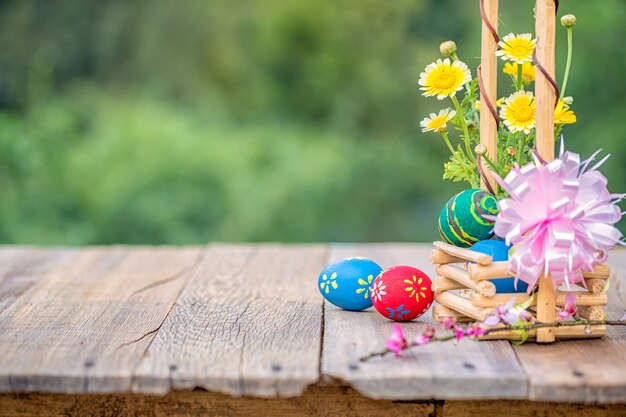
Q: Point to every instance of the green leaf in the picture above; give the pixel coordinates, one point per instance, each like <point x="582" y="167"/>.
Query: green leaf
<point x="523" y="334"/>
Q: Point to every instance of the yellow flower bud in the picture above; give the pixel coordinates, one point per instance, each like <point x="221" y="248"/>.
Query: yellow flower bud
<point x="568" y="20"/>
<point x="480" y="149"/>
<point x="447" y="48"/>
<point x="511" y="151"/>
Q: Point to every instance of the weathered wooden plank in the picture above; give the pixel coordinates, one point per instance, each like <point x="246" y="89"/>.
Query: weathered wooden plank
<point x="326" y="401"/>
<point x="469" y="369"/>
<point x="583" y="370"/>
<point x="86" y="324"/>
<point x="21" y="267"/>
<point x="248" y="323"/>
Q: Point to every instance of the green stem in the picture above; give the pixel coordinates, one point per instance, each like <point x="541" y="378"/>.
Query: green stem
<point x="445" y="138"/>
<point x="466" y="135"/>
<point x="569" y="60"/>
<point x="508" y="140"/>
<point x="493" y="166"/>
<point x="522" y="147"/>
<point x="520" y="82"/>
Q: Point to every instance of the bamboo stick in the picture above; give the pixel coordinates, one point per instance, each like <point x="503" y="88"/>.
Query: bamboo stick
<point x="441" y="312"/>
<point x="445" y="284"/>
<point x="570" y="332"/>
<point x="439" y="257"/>
<point x="489" y="70"/>
<point x="583" y="298"/>
<point x="545" y="27"/>
<point x="501" y="270"/>
<point x="460" y="275"/>
<point x="495" y="270"/>
<point x="592" y="313"/>
<point x="462" y="305"/>
<point x="465" y="254"/>
<point x="599" y="272"/>
<point x="595" y="286"/>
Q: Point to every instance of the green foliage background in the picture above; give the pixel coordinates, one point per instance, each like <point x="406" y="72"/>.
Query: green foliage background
<point x="187" y="121"/>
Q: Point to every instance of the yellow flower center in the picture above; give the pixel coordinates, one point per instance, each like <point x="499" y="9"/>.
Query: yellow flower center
<point x="520" y="51"/>
<point x="524" y="114"/>
<point x="445" y="80"/>
<point x="438" y="121"/>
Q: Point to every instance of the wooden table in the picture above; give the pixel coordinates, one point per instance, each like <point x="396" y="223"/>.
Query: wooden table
<point x="234" y="329"/>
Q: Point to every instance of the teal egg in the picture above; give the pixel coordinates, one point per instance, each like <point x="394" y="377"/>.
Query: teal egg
<point x="346" y="283"/>
<point x="462" y="222"/>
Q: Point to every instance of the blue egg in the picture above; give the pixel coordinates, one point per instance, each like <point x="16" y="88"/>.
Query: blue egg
<point x="499" y="251"/>
<point x="346" y="283"/>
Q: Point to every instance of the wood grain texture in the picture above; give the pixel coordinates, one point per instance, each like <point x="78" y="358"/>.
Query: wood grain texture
<point x="86" y="324"/>
<point x="583" y="370"/>
<point x="460" y="275"/>
<point x="463" y="305"/>
<point x="248" y="323"/>
<point x="489" y="70"/>
<point x="545" y="96"/>
<point x="448" y="370"/>
<point x="462" y="253"/>
<point x="22" y="267"/>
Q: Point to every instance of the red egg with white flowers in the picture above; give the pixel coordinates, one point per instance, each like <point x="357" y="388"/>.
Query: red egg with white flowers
<point x="402" y="293"/>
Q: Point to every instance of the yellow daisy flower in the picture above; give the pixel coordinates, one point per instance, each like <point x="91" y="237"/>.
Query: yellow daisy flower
<point x="517" y="48"/>
<point x="519" y="112"/>
<point x="528" y="71"/>
<point x="563" y="115"/>
<point x="437" y="122"/>
<point x="444" y="78"/>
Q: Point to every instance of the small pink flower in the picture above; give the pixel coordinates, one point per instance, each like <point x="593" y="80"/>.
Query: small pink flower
<point x="503" y="309"/>
<point x="492" y="320"/>
<point x="448" y="323"/>
<point x="475" y="330"/>
<point x="569" y="309"/>
<point x="397" y="341"/>
<point x="526" y="316"/>
<point x="459" y="332"/>
<point x="422" y="339"/>
<point x="510" y="318"/>
<point x="502" y="313"/>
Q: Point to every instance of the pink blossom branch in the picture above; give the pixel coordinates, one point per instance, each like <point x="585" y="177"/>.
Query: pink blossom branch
<point x="474" y="334"/>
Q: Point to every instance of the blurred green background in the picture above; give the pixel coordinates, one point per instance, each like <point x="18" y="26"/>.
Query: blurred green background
<point x="287" y="120"/>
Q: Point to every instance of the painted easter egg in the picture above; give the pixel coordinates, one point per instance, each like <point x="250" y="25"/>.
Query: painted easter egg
<point x="499" y="251"/>
<point x="462" y="222"/>
<point x="402" y="293"/>
<point x="346" y="283"/>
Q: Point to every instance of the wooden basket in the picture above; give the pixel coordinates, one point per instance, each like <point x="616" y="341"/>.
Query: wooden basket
<point x="467" y="272"/>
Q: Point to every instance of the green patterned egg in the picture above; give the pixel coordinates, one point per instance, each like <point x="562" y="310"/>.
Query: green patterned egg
<point x="461" y="222"/>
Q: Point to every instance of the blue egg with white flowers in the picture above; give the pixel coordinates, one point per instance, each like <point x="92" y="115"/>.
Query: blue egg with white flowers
<point x="346" y="283"/>
<point x="499" y="251"/>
